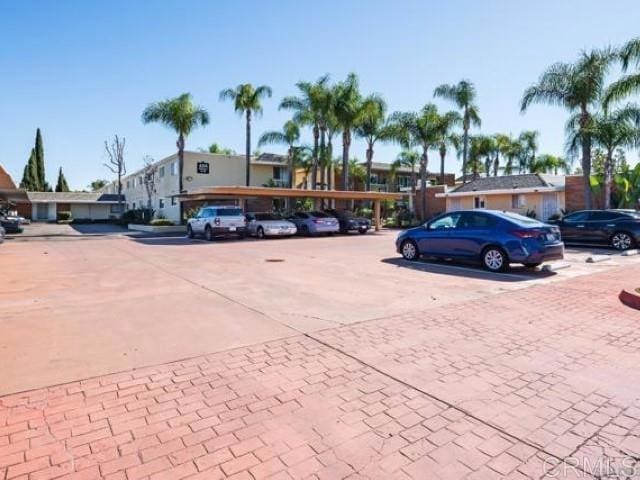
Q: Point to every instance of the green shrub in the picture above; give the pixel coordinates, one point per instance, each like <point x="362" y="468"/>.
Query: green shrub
<point x="365" y="212"/>
<point x="161" y="222"/>
<point x="139" y="216"/>
<point x="65" y="216"/>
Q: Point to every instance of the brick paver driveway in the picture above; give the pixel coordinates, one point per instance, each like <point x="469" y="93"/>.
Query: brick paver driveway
<point x="538" y="382"/>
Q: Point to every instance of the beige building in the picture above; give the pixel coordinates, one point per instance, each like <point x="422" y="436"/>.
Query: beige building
<point x="200" y="170"/>
<point x="541" y="194"/>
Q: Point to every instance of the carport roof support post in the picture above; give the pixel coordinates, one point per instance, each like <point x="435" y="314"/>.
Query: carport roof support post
<point x="376" y="215"/>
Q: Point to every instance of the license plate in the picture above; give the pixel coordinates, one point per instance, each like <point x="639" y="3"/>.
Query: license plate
<point x="232" y="229"/>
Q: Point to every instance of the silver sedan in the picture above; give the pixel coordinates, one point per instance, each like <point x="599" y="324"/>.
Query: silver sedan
<point x="269" y="225"/>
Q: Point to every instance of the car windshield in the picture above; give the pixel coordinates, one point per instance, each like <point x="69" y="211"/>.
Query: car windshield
<point x="319" y="214"/>
<point x="229" y="212"/>
<point x="267" y="216"/>
<point x="522" y="220"/>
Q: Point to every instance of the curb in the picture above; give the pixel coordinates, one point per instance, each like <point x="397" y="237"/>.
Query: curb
<point x="629" y="253"/>
<point x="552" y="267"/>
<point x="598" y="258"/>
<point x="630" y="298"/>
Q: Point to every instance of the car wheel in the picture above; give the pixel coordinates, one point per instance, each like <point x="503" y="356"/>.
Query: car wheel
<point x="494" y="259"/>
<point x="532" y="265"/>
<point x="622" y="241"/>
<point x="190" y="233"/>
<point x="260" y="232"/>
<point x="362" y="231"/>
<point x="409" y="250"/>
<point x="208" y="234"/>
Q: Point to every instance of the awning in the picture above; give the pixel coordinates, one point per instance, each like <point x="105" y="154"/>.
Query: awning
<point x="212" y="193"/>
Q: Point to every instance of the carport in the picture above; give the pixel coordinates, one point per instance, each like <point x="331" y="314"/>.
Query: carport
<point x="243" y="193"/>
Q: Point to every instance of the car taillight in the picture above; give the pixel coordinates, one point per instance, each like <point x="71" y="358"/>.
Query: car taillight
<point x="315" y="220"/>
<point x="217" y="221"/>
<point x="532" y="233"/>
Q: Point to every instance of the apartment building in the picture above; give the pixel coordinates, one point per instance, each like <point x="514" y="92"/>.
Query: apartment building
<point x="200" y="170"/>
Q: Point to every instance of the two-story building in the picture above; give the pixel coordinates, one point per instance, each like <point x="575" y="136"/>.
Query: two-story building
<point x="385" y="178"/>
<point x="200" y="170"/>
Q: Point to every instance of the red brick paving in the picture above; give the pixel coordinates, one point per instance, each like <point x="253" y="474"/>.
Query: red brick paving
<point x="536" y="375"/>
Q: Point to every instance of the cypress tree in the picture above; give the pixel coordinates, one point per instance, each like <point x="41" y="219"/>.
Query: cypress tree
<point x="62" y="185"/>
<point x="30" y="175"/>
<point x="39" y="150"/>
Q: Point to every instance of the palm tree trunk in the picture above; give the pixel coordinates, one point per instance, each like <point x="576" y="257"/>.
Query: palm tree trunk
<point x="465" y="147"/>
<point x="413" y="187"/>
<point x="291" y="166"/>
<point x="314" y="166"/>
<point x="423" y="185"/>
<point x="346" y="141"/>
<point x="586" y="158"/>
<point x="369" y="165"/>
<point x="180" y="144"/>
<point x="248" y="149"/>
<point x="608" y="170"/>
<point x="443" y="153"/>
<point x="496" y="165"/>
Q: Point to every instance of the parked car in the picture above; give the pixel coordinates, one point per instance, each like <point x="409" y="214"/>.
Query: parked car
<point x="212" y="221"/>
<point x="10" y="225"/>
<point x="269" y="225"/>
<point x="349" y="222"/>
<point x="619" y="229"/>
<point x="2" y="235"/>
<point x="493" y="238"/>
<point x="313" y="223"/>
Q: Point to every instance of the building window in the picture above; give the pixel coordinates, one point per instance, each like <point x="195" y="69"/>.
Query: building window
<point x="478" y="202"/>
<point x="161" y="203"/>
<point x="277" y="173"/>
<point x="173" y="201"/>
<point x="518" y="201"/>
<point x="115" y="208"/>
<point x="174" y="168"/>
<point x="128" y="183"/>
<point x="161" y="172"/>
<point x="140" y="180"/>
<point x="134" y="206"/>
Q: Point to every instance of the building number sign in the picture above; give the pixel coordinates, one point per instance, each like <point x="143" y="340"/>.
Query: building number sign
<point x="203" y="167"/>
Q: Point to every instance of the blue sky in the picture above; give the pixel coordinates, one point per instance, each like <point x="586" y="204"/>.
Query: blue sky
<point x="82" y="71"/>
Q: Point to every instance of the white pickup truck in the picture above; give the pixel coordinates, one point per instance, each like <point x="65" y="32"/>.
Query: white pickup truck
<point x="212" y="221"/>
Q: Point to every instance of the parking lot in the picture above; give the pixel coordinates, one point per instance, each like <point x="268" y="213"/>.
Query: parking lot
<point x="497" y="372"/>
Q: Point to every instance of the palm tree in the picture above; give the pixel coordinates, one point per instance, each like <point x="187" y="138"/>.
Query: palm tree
<point x="463" y="95"/>
<point x="628" y="84"/>
<point x="484" y="146"/>
<point x="420" y="129"/>
<point x="347" y="108"/>
<point x="446" y="137"/>
<point x="528" y="140"/>
<point x="408" y="159"/>
<point x="577" y="87"/>
<point x="503" y="144"/>
<point x="181" y="115"/>
<point x="247" y="101"/>
<point x="307" y="110"/>
<point x="547" y="163"/>
<point x="373" y="127"/>
<point x="610" y="131"/>
<point x="290" y="135"/>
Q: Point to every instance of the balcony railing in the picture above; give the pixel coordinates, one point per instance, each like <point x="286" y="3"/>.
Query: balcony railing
<point x="272" y="183"/>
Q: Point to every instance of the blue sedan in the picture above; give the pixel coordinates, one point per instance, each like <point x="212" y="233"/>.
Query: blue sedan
<point x="492" y="237"/>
